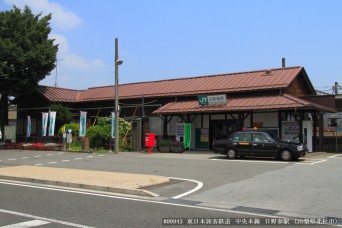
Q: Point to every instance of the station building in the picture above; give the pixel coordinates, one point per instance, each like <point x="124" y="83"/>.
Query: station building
<point x="281" y="100"/>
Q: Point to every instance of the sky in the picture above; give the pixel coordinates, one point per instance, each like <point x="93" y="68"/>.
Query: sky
<point x="166" y="39"/>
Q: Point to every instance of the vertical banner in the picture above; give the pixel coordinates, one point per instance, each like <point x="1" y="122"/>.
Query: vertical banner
<point x="187" y="135"/>
<point x="45" y="116"/>
<point x="52" y="122"/>
<point x="83" y="121"/>
<point x="28" y="127"/>
<point x="113" y="125"/>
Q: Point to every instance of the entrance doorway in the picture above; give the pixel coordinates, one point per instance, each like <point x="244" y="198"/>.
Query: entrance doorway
<point x="221" y="129"/>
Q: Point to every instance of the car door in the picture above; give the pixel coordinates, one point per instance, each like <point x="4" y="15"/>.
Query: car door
<point x="242" y="141"/>
<point x="263" y="146"/>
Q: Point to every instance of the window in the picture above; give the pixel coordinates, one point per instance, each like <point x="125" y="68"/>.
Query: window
<point x="334" y="122"/>
<point x="243" y="137"/>
<point x="259" y="137"/>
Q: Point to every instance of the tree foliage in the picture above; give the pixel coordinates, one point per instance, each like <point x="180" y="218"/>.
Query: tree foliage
<point x="27" y="54"/>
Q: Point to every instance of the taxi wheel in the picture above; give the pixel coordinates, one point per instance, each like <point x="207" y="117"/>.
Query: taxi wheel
<point x="285" y="155"/>
<point x="231" y="154"/>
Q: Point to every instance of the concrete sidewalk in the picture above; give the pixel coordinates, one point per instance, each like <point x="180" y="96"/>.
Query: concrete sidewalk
<point x="124" y="183"/>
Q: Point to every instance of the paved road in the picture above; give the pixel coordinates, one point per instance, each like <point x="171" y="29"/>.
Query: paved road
<point x="309" y="188"/>
<point x="30" y="207"/>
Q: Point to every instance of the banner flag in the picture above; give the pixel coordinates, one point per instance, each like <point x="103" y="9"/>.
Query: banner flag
<point x="83" y="121"/>
<point x="113" y="125"/>
<point x="52" y="122"/>
<point x="28" y="128"/>
<point x="45" y="116"/>
<point x="187" y="135"/>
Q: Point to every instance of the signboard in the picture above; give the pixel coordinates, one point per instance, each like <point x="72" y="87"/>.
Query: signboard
<point x="204" y="135"/>
<point x="180" y="132"/>
<point x="187" y="135"/>
<point x="83" y="121"/>
<point x="10" y="133"/>
<point x="219" y="99"/>
<point x="290" y="130"/>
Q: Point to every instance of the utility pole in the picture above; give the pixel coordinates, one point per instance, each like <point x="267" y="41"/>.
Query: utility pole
<point x="116" y="103"/>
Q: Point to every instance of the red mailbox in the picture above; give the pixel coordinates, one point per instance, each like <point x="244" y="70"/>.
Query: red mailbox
<point x="149" y="141"/>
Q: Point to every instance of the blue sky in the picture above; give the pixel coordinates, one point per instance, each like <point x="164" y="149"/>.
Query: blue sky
<point x="160" y="39"/>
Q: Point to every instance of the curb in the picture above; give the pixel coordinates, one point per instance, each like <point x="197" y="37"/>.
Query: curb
<point x="129" y="191"/>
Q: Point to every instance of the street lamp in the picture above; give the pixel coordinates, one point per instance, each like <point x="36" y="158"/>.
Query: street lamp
<point x="116" y="104"/>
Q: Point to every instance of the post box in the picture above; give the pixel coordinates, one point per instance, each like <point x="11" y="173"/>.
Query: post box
<point x="149" y="141"/>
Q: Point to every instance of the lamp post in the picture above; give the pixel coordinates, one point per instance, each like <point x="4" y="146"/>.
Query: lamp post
<point x="116" y="103"/>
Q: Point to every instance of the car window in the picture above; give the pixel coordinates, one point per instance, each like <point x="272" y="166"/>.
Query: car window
<point x="259" y="137"/>
<point x="243" y="137"/>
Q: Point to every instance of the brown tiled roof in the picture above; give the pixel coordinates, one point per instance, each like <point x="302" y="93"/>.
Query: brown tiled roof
<point x="241" y="104"/>
<point x="221" y="83"/>
<point x="56" y="94"/>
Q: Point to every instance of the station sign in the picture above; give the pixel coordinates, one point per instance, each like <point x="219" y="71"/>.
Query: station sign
<point x="219" y="99"/>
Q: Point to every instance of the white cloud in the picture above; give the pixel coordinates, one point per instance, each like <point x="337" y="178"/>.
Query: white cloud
<point x="61" y="18"/>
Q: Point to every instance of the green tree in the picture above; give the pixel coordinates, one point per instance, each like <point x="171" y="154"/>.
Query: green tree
<point x="63" y="115"/>
<point x="27" y="54"/>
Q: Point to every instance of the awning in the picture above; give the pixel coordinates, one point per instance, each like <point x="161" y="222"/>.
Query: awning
<point x="259" y="103"/>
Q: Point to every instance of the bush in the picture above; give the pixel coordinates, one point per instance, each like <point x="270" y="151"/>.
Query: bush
<point x="99" y="135"/>
<point x="73" y="126"/>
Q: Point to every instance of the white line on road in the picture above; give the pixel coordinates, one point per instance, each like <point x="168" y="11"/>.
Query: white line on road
<point x="138" y="200"/>
<point x="198" y="187"/>
<point x="334" y="156"/>
<point x="49" y="154"/>
<point x="0" y="160"/>
<point x="66" y="160"/>
<point x="38" y="164"/>
<point x="100" y="155"/>
<point x="90" y="156"/>
<point x="60" y="153"/>
<point x="27" y="224"/>
<point x="37" y="156"/>
<point x="318" y="162"/>
<point x="280" y="162"/>
<point x="78" y="158"/>
<point x="12" y="159"/>
<point x="44" y="219"/>
<point x="25" y="157"/>
<point x="52" y="162"/>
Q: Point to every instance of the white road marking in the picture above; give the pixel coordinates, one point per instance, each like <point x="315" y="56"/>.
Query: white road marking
<point x="100" y="155"/>
<point x="27" y="224"/>
<point x="60" y="153"/>
<point x="138" y="200"/>
<point x="90" y="156"/>
<point x="306" y="161"/>
<point x="49" y="154"/>
<point x="38" y="164"/>
<point x="318" y="162"/>
<point x="66" y="160"/>
<point x="198" y="187"/>
<point x="280" y="162"/>
<point x="12" y="159"/>
<point x="0" y="160"/>
<point x="44" y="219"/>
<point x="52" y="162"/>
<point x="37" y="156"/>
<point x="25" y="157"/>
<point x="334" y="156"/>
<point x="78" y="158"/>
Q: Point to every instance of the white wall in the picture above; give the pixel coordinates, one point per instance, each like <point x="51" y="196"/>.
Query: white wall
<point x="268" y="119"/>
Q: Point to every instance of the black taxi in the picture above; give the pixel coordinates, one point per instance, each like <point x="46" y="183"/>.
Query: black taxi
<point x="258" y="144"/>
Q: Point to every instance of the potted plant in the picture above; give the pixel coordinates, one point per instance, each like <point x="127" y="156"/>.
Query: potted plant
<point x="164" y="146"/>
<point x="177" y="147"/>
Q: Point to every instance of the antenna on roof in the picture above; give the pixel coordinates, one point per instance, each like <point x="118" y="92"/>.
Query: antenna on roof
<point x="283" y="62"/>
<point x="56" y="71"/>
